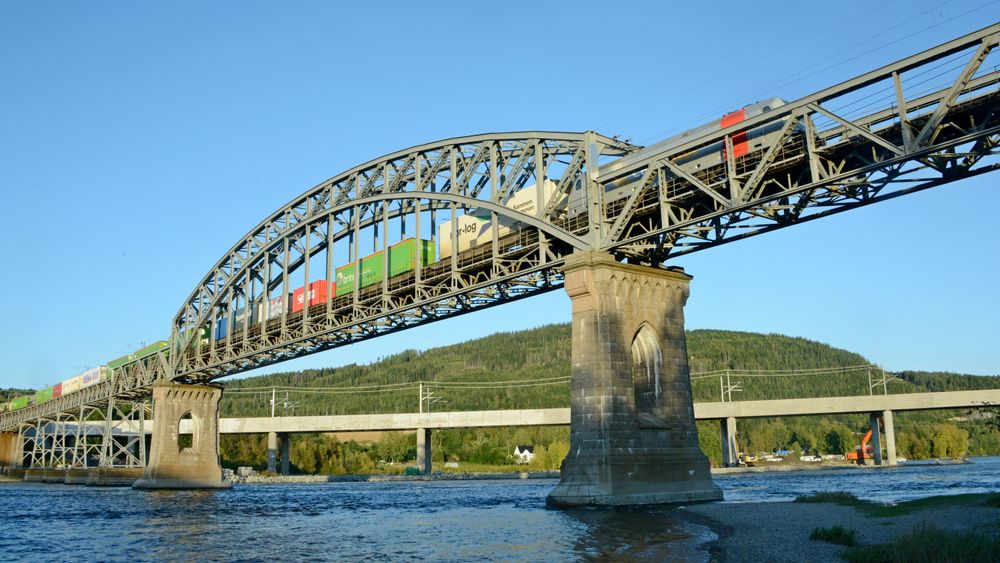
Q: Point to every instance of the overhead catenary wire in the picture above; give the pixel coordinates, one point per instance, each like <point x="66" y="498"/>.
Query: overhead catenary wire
<point x="404" y="387"/>
<point x="794" y="78"/>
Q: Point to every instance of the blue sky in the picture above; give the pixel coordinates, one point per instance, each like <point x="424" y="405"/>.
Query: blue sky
<point x="138" y="141"/>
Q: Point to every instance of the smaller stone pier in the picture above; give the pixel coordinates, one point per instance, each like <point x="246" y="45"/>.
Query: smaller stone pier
<point x="173" y="465"/>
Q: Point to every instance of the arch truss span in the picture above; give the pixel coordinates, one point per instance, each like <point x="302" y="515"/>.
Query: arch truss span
<point x="416" y="236"/>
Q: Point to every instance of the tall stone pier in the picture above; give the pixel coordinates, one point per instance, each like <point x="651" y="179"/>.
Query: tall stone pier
<point x="633" y="438"/>
<point x="176" y="465"/>
<point x="9" y="442"/>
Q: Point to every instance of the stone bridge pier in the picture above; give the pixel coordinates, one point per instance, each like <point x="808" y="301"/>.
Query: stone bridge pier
<point x="174" y="464"/>
<point x="633" y="438"/>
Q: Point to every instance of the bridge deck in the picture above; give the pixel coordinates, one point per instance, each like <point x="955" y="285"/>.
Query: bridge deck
<point x="558" y="417"/>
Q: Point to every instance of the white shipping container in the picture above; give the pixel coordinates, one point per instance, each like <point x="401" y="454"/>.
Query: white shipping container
<point x="92" y="376"/>
<point x="475" y="229"/>
<point x="276" y="307"/>
<point x="525" y="200"/>
<point x="469" y="230"/>
<point x="72" y="385"/>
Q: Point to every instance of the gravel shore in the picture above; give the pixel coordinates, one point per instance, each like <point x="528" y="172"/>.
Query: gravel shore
<point x="779" y="531"/>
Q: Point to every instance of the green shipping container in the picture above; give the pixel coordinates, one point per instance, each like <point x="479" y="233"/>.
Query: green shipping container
<point x="43" y="395"/>
<point x="402" y="259"/>
<point x="115" y="364"/>
<point x="151" y="349"/>
<point x="20" y="402"/>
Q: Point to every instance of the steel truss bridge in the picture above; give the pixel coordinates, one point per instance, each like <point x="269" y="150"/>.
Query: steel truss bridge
<point x="925" y="121"/>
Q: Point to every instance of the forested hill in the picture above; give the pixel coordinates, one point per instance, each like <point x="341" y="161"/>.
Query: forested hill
<point x="543" y="355"/>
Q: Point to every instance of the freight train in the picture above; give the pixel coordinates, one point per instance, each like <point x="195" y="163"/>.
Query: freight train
<point x="84" y="380"/>
<point x="473" y="228"/>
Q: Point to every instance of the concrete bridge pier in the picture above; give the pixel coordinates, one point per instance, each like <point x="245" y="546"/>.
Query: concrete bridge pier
<point x="890" y="437"/>
<point x="730" y="450"/>
<point x="286" y="452"/>
<point x="633" y="438"/>
<point x="171" y="464"/>
<point x="278" y="448"/>
<point x="272" y="452"/>
<point x="424" y="450"/>
<point x="876" y="439"/>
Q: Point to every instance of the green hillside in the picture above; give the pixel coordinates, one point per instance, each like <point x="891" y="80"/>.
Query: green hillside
<point x="804" y="368"/>
<point x="530" y="369"/>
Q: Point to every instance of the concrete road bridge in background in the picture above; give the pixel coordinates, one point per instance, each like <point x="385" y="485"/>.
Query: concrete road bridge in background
<point x="279" y="428"/>
<point x="727" y="413"/>
<point x="592" y="214"/>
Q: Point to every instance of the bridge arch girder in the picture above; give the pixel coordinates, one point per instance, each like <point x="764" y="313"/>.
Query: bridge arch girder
<point x="439" y="181"/>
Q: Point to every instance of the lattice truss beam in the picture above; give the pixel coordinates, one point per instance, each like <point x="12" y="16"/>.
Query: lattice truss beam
<point x="925" y="121"/>
<point x="112" y="436"/>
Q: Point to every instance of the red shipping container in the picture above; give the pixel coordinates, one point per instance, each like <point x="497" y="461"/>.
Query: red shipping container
<point x="318" y="293"/>
<point x="57" y="390"/>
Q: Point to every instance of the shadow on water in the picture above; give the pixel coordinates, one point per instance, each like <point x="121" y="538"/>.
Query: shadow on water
<point x="651" y="533"/>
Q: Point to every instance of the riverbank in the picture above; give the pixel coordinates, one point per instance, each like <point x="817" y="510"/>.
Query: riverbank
<point x="779" y="531"/>
<point x="300" y="479"/>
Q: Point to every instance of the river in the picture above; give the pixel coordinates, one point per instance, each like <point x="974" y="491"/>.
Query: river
<point x="412" y="520"/>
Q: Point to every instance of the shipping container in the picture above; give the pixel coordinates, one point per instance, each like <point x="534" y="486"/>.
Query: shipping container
<point x="221" y="328"/>
<point x="93" y="376"/>
<point x="119" y="362"/>
<point x="140" y="353"/>
<point x="43" y="395"/>
<point x="319" y="292"/>
<point x="402" y="259"/>
<point x="276" y="306"/>
<point x="476" y="227"/>
<point x="151" y="349"/>
<point x="57" y="390"/>
<point x="22" y="402"/>
<point x="473" y="231"/>
<point x="241" y="316"/>
<point x="526" y="199"/>
<point x="72" y="385"/>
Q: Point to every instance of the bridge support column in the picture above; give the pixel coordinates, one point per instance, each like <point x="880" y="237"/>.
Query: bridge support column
<point x="890" y="438"/>
<point x="8" y="448"/>
<point x="272" y="452"/>
<point x="876" y="438"/>
<point x="633" y="438"/>
<point x="730" y="451"/>
<point x="424" y="451"/>
<point x="170" y="465"/>
<point x="286" y="449"/>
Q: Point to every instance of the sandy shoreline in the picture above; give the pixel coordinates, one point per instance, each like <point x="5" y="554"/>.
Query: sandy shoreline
<point x="779" y="531"/>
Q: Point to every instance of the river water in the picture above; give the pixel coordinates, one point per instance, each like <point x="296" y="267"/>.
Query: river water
<point x="412" y="520"/>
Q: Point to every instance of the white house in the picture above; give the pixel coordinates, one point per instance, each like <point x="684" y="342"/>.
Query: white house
<point x="524" y="454"/>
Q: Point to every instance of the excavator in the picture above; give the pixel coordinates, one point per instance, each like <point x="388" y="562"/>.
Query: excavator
<point x="865" y="450"/>
<point x="746" y="459"/>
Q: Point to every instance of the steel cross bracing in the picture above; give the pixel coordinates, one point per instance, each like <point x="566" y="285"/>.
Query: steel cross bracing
<point x="925" y="121"/>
